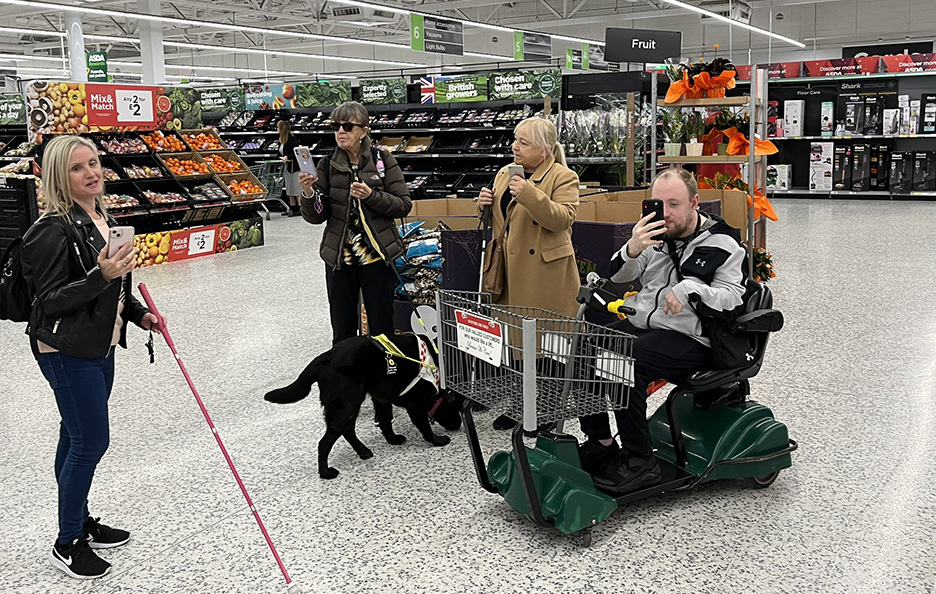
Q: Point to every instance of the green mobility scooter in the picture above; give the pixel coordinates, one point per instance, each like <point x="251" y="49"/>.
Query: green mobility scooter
<point x="541" y="371"/>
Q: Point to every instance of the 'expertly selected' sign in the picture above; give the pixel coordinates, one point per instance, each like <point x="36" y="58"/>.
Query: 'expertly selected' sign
<point x="640" y="45"/>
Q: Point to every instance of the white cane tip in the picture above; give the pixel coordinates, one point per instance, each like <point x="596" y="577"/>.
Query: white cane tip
<point x="292" y="589"/>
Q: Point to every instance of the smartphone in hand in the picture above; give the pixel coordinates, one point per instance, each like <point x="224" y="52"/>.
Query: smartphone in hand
<point x="513" y="170"/>
<point x="117" y="238"/>
<point x="304" y="158"/>
<point x="656" y="207"/>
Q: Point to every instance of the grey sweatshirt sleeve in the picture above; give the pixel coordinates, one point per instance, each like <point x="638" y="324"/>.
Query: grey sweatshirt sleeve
<point x="726" y="290"/>
<point x="625" y="269"/>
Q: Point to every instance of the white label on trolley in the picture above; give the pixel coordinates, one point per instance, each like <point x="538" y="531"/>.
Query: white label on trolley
<point x="479" y="336"/>
<point x="556" y="346"/>
<point x="614" y="366"/>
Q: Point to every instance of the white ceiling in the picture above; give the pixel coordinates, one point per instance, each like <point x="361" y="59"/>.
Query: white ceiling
<point x="824" y="25"/>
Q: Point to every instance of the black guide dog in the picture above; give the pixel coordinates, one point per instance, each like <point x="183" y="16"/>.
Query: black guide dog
<point x="359" y="366"/>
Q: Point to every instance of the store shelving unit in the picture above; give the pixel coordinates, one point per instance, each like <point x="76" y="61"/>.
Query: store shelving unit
<point x="757" y="174"/>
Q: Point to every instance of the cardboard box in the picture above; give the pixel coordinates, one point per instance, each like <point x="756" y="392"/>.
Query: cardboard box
<point x="443" y="207"/>
<point x="794" y="113"/>
<point x="872" y="118"/>
<point x="901" y="173"/>
<point x="861" y="168"/>
<point x="452" y="222"/>
<point x="854" y="115"/>
<point x="842" y="167"/>
<point x="890" y="126"/>
<point x="928" y="106"/>
<point x="418" y="144"/>
<point x="903" y="104"/>
<point x="924" y="171"/>
<point x="827" y="118"/>
<point x="778" y="177"/>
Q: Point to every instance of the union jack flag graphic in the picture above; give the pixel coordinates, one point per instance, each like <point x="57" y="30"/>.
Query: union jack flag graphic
<point x="427" y="92"/>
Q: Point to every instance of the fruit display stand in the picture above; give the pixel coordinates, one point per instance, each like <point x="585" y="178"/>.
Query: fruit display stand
<point x="185" y="165"/>
<point x="242" y="186"/>
<point x="205" y="139"/>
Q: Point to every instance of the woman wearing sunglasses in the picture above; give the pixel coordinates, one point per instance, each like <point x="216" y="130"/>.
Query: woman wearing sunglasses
<point x="358" y="193"/>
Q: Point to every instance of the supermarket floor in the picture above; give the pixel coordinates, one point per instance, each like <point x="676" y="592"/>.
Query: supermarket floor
<point x="853" y="375"/>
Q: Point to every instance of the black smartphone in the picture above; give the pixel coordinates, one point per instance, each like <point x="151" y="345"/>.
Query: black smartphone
<point x="656" y="207"/>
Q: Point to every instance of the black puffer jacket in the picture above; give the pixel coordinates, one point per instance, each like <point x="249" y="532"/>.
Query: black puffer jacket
<point x="76" y="307"/>
<point x="389" y="200"/>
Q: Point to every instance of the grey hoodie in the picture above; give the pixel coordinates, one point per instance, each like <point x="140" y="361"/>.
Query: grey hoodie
<point x="713" y="284"/>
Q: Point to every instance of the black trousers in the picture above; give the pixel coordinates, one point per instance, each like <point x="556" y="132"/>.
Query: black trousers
<point x="376" y="283"/>
<point x="658" y="354"/>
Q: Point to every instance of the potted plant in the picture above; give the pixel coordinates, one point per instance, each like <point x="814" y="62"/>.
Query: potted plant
<point x="695" y="130"/>
<point x="674" y="131"/>
<point x="724" y="119"/>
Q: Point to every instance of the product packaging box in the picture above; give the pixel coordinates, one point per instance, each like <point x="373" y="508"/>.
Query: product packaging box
<point x="827" y="121"/>
<point x="903" y="104"/>
<point x="891" y="124"/>
<point x="820" y="166"/>
<point x="854" y="115"/>
<point x="773" y="107"/>
<point x="872" y="119"/>
<point x="880" y="167"/>
<point x="793" y="115"/>
<point x="901" y="173"/>
<point x="842" y="167"/>
<point x="914" y="117"/>
<point x="924" y="171"/>
<point x="928" y="106"/>
<point x="779" y="176"/>
<point x="861" y="168"/>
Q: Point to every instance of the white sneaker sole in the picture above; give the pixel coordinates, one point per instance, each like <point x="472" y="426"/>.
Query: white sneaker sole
<point x="106" y="545"/>
<point x="61" y="566"/>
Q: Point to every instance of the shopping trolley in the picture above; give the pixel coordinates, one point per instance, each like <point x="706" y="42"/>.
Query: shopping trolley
<point x="542" y="369"/>
<point x="539" y="368"/>
<point x="271" y="174"/>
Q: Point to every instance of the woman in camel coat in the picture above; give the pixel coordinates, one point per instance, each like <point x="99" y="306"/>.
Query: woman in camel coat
<point x="538" y="210"/>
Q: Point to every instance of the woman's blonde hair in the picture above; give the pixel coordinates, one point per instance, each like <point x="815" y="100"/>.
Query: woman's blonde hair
<point x="57" y="200"/>
<point x="543" y="134"/>
<point x="284" y="128"/>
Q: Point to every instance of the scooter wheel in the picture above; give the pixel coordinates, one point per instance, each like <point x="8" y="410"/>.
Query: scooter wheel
<point x="763" y="481"/>
<point x="586" y="537"/>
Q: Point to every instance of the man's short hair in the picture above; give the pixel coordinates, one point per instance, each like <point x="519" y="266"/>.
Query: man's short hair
<point x="682" y="175"/>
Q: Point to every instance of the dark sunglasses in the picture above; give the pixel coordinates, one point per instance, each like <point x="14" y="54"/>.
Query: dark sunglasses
<point x="348" y="126"/>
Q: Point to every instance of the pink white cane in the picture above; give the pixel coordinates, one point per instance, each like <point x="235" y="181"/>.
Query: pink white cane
<point x="291" y="587"/>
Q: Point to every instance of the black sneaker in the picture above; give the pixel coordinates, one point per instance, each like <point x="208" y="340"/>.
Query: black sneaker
<point x="100" y="536"/>
<point x="595" y="457"/>
<point x="629" y="474"/>
<point x="504" y="422"/>
<point x="77" y="560"/>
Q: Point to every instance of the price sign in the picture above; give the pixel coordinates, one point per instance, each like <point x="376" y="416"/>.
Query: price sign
<point x="201" y="242"/>
<point x="134" y="105"/>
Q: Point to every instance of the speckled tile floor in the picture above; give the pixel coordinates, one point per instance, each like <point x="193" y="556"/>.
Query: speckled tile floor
<point x="853" y="375"/>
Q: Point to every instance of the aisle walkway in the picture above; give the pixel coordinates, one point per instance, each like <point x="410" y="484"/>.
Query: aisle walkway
<point x="853" y="375"/>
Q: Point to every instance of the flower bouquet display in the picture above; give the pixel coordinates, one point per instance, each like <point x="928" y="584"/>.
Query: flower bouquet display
<point x="700" y="79"/>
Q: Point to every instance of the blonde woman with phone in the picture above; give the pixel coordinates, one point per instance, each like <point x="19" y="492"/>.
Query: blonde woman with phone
<point x="533" y="204"/>
<point x="83" y="304"/>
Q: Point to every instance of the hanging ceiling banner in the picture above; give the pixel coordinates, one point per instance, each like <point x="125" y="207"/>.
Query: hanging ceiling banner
<point x="12" y="109"/>
<point x="293" y="96"/>
<point x="520" y="85"/>
<point x="459" y="89"/>
<point x="97" y="66"/>
<point x="222" y="99"/>
<point x="383" y="90"/>
<point x="642" y="46"/>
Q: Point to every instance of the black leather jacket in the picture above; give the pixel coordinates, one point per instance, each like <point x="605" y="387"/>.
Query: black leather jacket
<point x="76" y="308"/>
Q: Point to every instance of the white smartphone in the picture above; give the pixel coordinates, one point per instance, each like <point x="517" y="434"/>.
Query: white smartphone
<point x="513" y="170"/>
<point x="304" y="158"/>
<point x="117" y="238"/>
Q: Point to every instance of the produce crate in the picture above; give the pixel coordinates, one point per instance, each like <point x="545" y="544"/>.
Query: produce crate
<point x="164" y="142"/>
<point x="122" y="144"/>
<point x="140" y="167"/>
<point x="418" y="144"/>
<point x="391" y="143"/>
<point x="230" y="156"/>
<point x="192" y="156"/>
<point x="204" y="139"/>
<point x="163" y="193"/>
<point x="225" y="179"/>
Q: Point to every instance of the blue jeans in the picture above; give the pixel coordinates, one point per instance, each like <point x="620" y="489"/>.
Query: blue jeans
<point x="82" y="388"/>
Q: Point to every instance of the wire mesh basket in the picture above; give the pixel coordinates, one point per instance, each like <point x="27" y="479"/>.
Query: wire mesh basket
<point x="271" y="176"/>
<point x="533" y="365"/>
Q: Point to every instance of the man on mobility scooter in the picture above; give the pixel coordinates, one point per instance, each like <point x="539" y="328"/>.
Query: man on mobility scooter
<point x="668" y="330"/>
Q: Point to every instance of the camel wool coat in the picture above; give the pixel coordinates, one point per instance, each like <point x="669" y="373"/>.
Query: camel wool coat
<point x="540" y="265"/>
